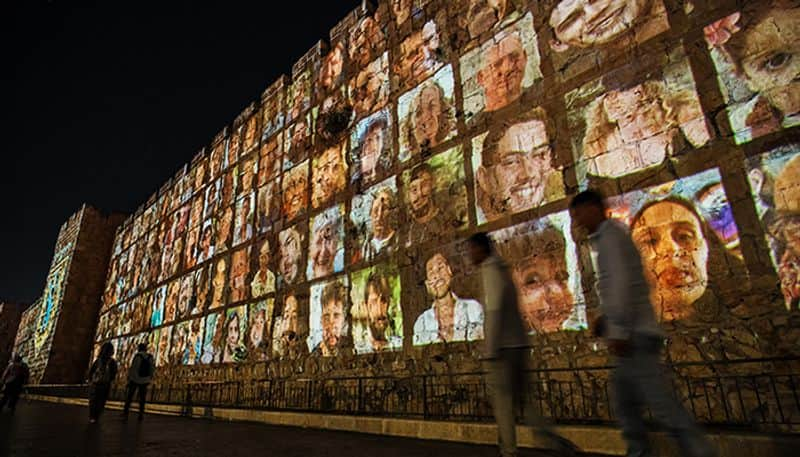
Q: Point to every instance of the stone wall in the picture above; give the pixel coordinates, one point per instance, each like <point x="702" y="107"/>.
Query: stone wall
<point x="10" y="314"/>
<point x="453" y="119"/>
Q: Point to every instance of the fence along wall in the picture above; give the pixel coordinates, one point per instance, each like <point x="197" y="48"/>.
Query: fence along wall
<point x="320" y="233"/>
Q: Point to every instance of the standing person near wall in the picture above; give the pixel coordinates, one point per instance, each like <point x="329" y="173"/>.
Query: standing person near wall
<point x="628" y="323"/>
<point x="101" y="375"/>
<point x="140" y="373"/>
<point x="14" y="378"/>
<point x="506" y="347"/>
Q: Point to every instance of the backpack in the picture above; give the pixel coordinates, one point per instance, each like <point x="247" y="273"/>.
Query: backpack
<point x="145" y="366"/>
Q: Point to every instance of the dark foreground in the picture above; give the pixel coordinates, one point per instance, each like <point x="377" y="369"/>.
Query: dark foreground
<point x="42" y="429"/>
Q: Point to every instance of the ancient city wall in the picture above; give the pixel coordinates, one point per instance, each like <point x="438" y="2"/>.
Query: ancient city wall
<point x="320" y="233"/>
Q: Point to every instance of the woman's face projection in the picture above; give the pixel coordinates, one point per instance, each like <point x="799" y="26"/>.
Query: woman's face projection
<point x="674" y="255"/>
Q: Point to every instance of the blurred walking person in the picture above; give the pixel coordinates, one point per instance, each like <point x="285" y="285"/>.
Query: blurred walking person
<point x="633" y="336"/>
<point x="140" y="373"/>
<point x="505" y="351"/>
<point x="14" y="378"/>
<point x="101" y="375"/>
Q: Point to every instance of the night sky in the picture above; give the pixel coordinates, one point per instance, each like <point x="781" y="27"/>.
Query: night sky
<point x="108" y="100"/>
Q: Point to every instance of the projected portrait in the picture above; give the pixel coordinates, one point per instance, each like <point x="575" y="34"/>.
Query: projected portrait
<point x="180" y="336"/>
<point x="496" y="73"/>
<point x="234" y="349"/>
<point x="435" y="197"/>
<point x="371" y="148"/>
<point x="263" y="282"/>
<point x="298" y="96"/>
<point x="272" y="115"/>
<point x="267" y="206"/>
<point x="212" y="199"/>
<point x="585" y="33"/>
<point x="295" y="191"/>
<point x="483" y="16"/>
<point x="326" y="246"/>
<point x="427" y="114"/>
<point x="202" y="281"/>
<point x="251" y="134"/>
<point x="224" y="228"/>
<point x="219" y="279"/>
<point x="369" y="89"/>
<point x="162" y="348"/>
<point x="419" y="56"/>
<point x="199" y="174"/>
<point x="449" y="317"/>
<point x="234" y="146"/>
<point x="684" y="259"/>
<point x="331" y="73"/>
<point x="545" y="269"/>
<point x="194" y="342"/>
<point x="515" y="167"/>
<point x="332" y="116"/>
<point x="187" y="298"/>
<point x="775" y="184"/>
<point x="269" y="159"/>
<point x="218" y="159"/>
<point x="329" y="174"/>
<point x="329" y="324"/>
<point x="290" y="329"/>
<point x="754" y="51"/>
<point x="259" y="329"/>
<point x="243" y="229"/>
<point x="402" y="10"/>
<point x="376" y="315"/>
<point x="247" y="175"/>
<point x="366" y="40"/>
<point x="228" y="187"/>
<point x="297" y="142"/>
<point x="198" y="204"/>
<point x="171" y="302"/>
<point x="157" y="316"/>
<point x="622" y="127"/>
<point x="240" y="272"/>
<point x="374" y="215"/>
<point x="205" y="248"/>
<point x="213" y="338"/>
<point x="290" y="255"/>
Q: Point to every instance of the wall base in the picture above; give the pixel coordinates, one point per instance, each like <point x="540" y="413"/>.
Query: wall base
<point x="591" y="439"/>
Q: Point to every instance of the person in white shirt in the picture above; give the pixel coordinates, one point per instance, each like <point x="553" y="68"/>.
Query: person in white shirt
<point x="450" y="317"/>
<point x="628" y="323"/>
<point x="505" y="351"/>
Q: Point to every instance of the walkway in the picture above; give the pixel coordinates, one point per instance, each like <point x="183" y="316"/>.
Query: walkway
<point x="51" y="430"/>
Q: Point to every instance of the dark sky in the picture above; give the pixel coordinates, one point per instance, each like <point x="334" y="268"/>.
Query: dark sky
<point x="109" y="99"/>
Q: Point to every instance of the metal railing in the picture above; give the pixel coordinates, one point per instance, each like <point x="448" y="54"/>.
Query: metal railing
<point x="757" y="393"/>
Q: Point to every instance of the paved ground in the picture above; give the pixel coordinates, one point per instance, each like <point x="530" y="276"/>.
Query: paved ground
<point x="42" y="429"/>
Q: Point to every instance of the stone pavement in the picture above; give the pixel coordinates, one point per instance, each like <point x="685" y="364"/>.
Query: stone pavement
<point x="42" y="429"/>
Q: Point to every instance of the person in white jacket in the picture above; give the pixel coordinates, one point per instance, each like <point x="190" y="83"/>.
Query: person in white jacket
<point x="506" y="348"/>
<point x="140" y="374"/>
<point x="634" y="338"/>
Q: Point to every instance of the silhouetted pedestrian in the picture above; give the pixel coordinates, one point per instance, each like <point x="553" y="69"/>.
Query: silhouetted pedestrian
<point x="505" y="354"/>
<point x="634" y="338"/>
<point x="140" y="373"/>
<point x="15" y="377"/>
<point x="101" y="375"/>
